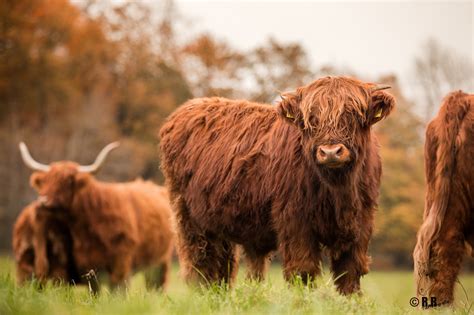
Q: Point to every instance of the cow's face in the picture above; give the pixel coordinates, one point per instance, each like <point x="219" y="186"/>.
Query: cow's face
<point x="57" y="186"/>
<point x="335" y="115"/>
<point x="58" y="182"/>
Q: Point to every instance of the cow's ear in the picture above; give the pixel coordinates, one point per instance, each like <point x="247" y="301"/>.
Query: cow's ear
<point x="289" y="107"/>
<point x="381" y="105"/>
<point x="36" y="180"/>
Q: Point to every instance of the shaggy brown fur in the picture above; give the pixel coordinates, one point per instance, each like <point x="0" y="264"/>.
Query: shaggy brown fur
<point x="247" y="173"/>
<point x="35" y="228"/>
<point x="448" y="221"/>
<point x="115" y="227"/>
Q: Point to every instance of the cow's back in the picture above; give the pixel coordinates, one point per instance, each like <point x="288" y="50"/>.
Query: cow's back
<point x="205" y="135"/>
<point x="214" y="153"/>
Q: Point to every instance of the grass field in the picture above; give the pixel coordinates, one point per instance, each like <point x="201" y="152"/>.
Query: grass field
<point x="384" y="293"/>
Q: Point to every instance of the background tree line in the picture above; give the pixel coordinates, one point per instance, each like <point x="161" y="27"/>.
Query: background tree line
<point x="73" y="78"/>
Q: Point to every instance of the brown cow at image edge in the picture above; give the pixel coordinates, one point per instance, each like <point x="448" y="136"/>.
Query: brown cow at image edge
<point x="299" y="177"/>
<point x="115" y="227"/>
<point x="448" y="219"/>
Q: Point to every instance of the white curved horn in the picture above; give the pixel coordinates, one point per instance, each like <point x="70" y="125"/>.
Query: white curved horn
<point x="94" y="167"/>
<point x="29" y="161"/>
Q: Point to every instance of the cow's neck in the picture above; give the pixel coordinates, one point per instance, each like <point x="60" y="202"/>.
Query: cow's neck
<point x="338" y="206"/>
<point x="345" y="194"/>
<point x="344" y="199"/>
<point x="88" y="200"/>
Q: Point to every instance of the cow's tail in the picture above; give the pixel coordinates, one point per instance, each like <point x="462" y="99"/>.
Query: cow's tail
<point x="445" y="163"/>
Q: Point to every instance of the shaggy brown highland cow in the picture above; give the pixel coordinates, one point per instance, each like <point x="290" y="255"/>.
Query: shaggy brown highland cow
<point x="300" y="176"/>
<point x="115" y="227"/>
<point x="448" y="220"/>
<point x="55" y="241"/>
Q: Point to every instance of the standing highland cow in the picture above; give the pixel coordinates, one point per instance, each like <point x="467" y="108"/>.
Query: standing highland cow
<point x="115" y="227"/>
<point x="448" y="221"/>
<point x="300" y="176"/>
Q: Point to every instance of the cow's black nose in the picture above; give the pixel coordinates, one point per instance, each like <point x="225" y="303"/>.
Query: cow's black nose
<point x="333" y="155"/>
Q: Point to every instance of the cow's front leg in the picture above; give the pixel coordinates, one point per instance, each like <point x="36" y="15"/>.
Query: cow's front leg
<point x="348" y="264"/>
<point x="349" y="260"/>
<point x="41" y="264"/>
<point x="300" y="252"/>
<point x="257" y="263"/>
<point x="348" y="267"/>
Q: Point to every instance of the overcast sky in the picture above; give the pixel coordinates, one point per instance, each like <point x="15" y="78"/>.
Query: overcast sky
<point x="372" y="38"/>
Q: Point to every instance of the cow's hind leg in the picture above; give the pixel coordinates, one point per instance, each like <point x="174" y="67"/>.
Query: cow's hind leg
<point x="445" y="262"/>
<point x="446" y="254"/>
<point x="208" y="260"/>
<point x="120" y="272"/>
<point x="257" y="264"/>
<point x="157" y="277"/>
<point x="204" y="258"/>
